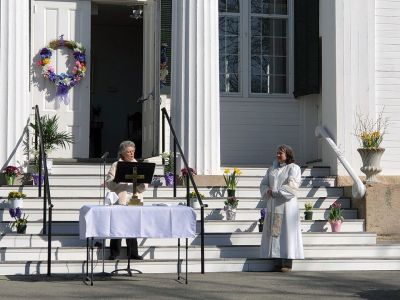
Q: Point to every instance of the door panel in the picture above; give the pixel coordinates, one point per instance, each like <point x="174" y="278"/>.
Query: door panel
<point x="50" y="20"/>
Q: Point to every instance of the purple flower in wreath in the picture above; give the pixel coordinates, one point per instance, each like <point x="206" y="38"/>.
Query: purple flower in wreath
<point x="62" y="89"/>
<point x="52" y="76"/>
<point x="45" y="53"/>
<point x="80" y="56"/>
<point x="12" y="212"/>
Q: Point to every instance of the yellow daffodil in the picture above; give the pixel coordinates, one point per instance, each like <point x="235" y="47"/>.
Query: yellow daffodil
<point x="227" y="171"/>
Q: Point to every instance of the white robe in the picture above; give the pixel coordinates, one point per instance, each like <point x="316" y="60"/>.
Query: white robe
<point x="281" y="236"/>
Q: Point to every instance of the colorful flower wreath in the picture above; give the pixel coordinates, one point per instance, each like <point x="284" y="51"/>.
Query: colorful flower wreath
<point x="63" y="81"/>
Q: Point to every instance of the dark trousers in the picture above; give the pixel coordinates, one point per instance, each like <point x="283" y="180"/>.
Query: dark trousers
<point x="131" y="247"/>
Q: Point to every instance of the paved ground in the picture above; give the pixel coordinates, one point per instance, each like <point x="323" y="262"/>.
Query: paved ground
<point x="297" y="285"/>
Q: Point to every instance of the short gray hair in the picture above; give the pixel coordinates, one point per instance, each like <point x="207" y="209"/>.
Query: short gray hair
<point x="123" y="146"/>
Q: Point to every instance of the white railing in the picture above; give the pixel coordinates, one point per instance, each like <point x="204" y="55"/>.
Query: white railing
<point x="358" y="189"/>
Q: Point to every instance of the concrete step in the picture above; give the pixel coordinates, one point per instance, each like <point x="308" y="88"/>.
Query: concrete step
<point x="78" y="202"/>
<point x="209" y="214"/>
<point x="305" y="171"/>
<point x="220" y="226"/>
<point x="211" y="239"/>
<point x="163" y="192"/>
<point x="194" y="265"/>
<point x="210" y="252"/>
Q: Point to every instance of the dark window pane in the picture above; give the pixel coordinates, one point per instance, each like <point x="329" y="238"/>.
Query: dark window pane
<point x="233" y="86"/>
<point x="255" y="84"/>
<point x="256" y="6"/>
<point x="255" y="45"/>
<point x="232" y="25"/>
<point x="255" y="65"/>
<point x="280" y="28"/>
<point x="280" y="46"/>
<point x="266" y="84"/>
<point x="279" y="85"/>
<point x="266" y="27"/>
<point x="222" y="5"/>
<point x="221" y="44"/>
<point x="221" y="25"/>
<point x="266" y="48"/>
<point x="232" y="6"/>
<point x="222" y="83"/>
<point x="256" y="26"/>
<point x="279" y="66"/>
<point x="231" y="64"/>
<point x="222" y="64"/>
<point x="281" y="7"/>
<point x="268" y="6"/>
<point x="267" y="65"/>
<point x="232" y="45"/>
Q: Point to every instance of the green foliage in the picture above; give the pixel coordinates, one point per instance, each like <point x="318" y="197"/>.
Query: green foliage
<point x="232" y="202"/>
<point x="16" y="195"/>
<point x="308" y="206"/>
<point x="335" y="213"/>
<point x="193" y="195"/>
<point x="169" y="162"/>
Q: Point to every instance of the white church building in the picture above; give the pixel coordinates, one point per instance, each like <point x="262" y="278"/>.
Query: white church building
<point x="244" y="76"/>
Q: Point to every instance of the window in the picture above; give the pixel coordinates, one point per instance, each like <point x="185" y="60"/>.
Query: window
<point x="266" y="22"/>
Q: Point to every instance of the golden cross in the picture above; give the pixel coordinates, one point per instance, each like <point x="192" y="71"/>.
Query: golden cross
<point x="134" y="176"/>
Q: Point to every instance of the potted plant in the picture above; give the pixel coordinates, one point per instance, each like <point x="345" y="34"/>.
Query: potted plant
<point x="194" y="202"/>
<point x="370" y="134"/>
<point x="308" y="213"/>
<point x="231" y="204"/>
<point x="231" y="180"/>
<point x="261" y="220"/>
<point x="10" y="173"/>
<point x="184" y="174"/>
<point x="335" y="217"/>
<point x="20" y="221"/>
<point x="168" y="168"/>
<point x="16" y="199"/>
<point x="52" y="137"/>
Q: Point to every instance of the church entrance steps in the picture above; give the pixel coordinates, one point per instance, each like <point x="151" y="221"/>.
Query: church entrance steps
<point x="210" y="214"/>
<point x="211" y="239"/>
<point x="245" y="203"/>
<point x="163" y="192"/>
<point x="211" y="252"/>
<point x="260" y="171"/>
<point x="220" y="226"/>
<point x="348" y="264"/>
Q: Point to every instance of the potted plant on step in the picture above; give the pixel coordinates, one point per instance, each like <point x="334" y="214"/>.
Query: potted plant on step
<point x="370" y="134"/>
<point x="231" y="204"/>
<point x="308" y="213"/>
<point x="16" y="199"/>
<point x="185" y="174"/>
<point x="261" y="220"/>
<point x="20" y="221"/>
<point x="10" y="173"/>
<point x="335" y="217"/>
<point x="231" y="180"/>
<point x="168" y="168"/>
<point x="194" y="202"/>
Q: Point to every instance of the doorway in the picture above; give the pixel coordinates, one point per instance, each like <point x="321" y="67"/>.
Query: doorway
<point x="116" y="78"/>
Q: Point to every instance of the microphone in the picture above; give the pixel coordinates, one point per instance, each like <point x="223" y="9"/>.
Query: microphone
<point x="105" y="155"/>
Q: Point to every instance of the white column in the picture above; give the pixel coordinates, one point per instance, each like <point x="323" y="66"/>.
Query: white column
<point x="195" y="83"/>
<point x="14" y="79"/>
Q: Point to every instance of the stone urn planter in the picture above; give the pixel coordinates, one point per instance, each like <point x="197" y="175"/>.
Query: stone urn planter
<point x="371" y="158"/>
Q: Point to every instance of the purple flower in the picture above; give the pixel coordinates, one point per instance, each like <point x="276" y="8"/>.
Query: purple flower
<point x="45" y="53"/>
<point x="62" y="89"/>
<point x="18" y="213"/>
<point x="262" y="212"/>
<point x="12" y="212"/>
<point x="80" y="56"/>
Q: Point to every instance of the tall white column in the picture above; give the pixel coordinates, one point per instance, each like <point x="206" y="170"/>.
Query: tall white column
<point x="195" y="83"/>
<point x="14" y="78"/>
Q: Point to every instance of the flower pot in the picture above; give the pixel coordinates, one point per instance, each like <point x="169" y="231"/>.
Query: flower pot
<point x="16" y="202"/>
<point x="194" y="203"/>
<point x="21" y="229"/>
<point x="230" y="213"/>
<point x="231" y="193"/>
<point x="336" y="226"/>
<point x="371" y="159"/>
<point x="35" y="177"/>
<point x="169" y="179"/>
<point x="308" y="215"/>
<point x="10" y="179"/>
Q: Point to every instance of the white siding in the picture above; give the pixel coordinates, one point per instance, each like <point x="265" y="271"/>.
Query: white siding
<point x="252" y="128"/>
<point x="387" y="74"/>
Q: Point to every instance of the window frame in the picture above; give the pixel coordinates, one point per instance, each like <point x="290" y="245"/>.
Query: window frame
<point x="245" y="54"/>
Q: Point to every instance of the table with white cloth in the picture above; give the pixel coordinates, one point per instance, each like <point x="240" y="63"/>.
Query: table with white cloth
<point x="117" y="221"/>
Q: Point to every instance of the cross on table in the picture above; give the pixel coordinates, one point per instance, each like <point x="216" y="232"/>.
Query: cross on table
<point x="134" y="176"/>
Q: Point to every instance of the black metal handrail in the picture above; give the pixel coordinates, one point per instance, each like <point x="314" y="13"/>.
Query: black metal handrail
<point x="46" y="195"/>
<point x="188" y="178"/>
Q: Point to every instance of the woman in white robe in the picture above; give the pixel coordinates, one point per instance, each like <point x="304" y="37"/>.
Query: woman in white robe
<point x="281" y="236"/>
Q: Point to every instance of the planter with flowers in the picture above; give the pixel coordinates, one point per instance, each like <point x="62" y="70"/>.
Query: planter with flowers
<point x="194" y="202"/>
<point x="20" y="221"/>
<point x="16" y="199"/>
<point x="185" y="174"/>
<point x="308" y="213"/>
<point x="10" y="173"/>
<point x="335" y="217"/>
<point x="231" y="180"/>
<point x="370" y="134"/>
<point x="168" y="168"/>
<point x="261" y="220"/>
<point x="231" y="204"/>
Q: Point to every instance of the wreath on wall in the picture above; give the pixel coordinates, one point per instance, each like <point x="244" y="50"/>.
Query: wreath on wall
<point x="63" y="81"/>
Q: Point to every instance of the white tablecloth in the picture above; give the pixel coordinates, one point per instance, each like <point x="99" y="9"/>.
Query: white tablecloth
<point x="119" y="221"/>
